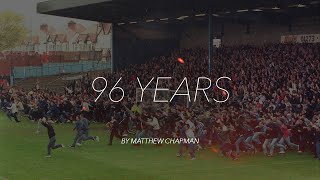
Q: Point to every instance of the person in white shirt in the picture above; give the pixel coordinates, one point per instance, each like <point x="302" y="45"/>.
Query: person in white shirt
<point x="13" y="111"/>
<point x="191" y="124"/>
<point x="189" y="132"/>
<point x="187" y="121"/>
<point x="154" y="123"/>
<point x="20" y="106"/>
<point x="192" y="147"/>
<point x="69" y="91"/>
<point x="20" y="109"/>
<point x="85" y="106"/>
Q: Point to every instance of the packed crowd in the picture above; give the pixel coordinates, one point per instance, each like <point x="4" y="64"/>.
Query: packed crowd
<point x="273" y="106"/>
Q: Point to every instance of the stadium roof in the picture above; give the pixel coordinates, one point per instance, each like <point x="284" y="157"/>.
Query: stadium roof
<point x="133" y="11"/>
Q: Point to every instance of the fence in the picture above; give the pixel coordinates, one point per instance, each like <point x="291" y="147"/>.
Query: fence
<point x="59" y="68"/>
<point x="58" y="56"/>
<point x="23" y="60"/>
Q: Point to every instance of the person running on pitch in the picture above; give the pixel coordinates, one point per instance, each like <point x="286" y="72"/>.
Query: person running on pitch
<point x="136" y="117"/>
<point x="285" y="139"/>
<point x="181" y="133"/>
<point x="113" y="125"/>
<point x="13" y="111"/>
<point x="52" y="136"/>
<point x="191" y="146"/>
<point x="79" y="128"/>
<point x="85" y="136"/>
<point x="38" y="116"/>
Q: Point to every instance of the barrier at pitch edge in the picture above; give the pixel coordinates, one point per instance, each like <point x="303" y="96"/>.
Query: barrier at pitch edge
<point x="301" y="38"/>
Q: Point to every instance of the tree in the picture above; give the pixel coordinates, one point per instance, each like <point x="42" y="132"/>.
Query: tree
<point x="12" y="30"/>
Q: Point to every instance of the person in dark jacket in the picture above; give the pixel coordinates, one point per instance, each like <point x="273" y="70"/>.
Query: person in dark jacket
<point x="114" y="128"/>
<point x="52" y="136"/>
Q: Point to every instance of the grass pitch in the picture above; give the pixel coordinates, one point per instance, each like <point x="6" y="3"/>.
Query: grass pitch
<point x="22" y="156"/>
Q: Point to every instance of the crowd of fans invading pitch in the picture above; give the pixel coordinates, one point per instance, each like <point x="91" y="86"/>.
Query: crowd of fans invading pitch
<point x="274" y="95"/>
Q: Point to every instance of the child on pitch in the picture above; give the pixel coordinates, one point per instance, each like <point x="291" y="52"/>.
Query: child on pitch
<point x="51" y="134"/>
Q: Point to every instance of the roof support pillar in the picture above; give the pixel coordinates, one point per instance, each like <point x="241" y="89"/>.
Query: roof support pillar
<point x="114" y="55"/>
<point x="210" y="48"/>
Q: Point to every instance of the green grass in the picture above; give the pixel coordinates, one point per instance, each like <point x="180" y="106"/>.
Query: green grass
<point x="22" y="156"/>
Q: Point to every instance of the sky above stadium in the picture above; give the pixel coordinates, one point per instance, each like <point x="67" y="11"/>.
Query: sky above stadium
<point x="33" y="20"/>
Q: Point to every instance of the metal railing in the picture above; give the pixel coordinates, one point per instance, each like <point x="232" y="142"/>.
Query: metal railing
<point x="59" y="68"/>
